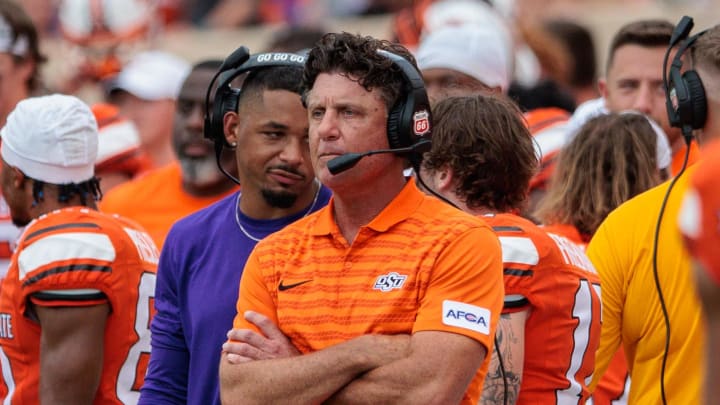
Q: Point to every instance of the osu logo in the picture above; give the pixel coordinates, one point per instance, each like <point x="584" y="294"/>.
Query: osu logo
<point x="389" y="282"/>
<point x="421" y="123"/>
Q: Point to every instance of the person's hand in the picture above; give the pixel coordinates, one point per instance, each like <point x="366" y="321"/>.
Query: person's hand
<point x="247" y="345"/>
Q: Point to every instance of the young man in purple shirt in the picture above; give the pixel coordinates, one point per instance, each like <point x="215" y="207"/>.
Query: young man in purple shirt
<point x="204" y="253"/>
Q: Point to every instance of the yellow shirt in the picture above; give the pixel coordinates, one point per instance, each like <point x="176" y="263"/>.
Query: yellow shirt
<point x="621" y="251"/>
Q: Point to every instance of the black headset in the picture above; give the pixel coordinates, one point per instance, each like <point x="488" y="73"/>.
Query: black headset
<point x="409" y="120"/>
<point x="687" y="109"/>
<point x="226" y="97"/>
<point x="684" y="92"/>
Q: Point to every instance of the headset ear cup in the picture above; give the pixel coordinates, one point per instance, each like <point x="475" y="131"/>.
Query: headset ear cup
<point x="226" y="100"/>
<point x="393" y="128"/>
<point x="216" y="120"/>
<point x="230" y="104"/>
<point x="698" y="102"/>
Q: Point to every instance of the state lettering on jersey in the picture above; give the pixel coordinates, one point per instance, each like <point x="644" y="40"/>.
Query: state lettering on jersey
<point x="466" y="316"/>
<point x="145" y="245"/>
<point x="572" y="253"/>
<point x="6" y="329"/>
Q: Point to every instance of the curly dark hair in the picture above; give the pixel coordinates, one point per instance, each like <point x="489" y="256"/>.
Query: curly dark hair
<point x="484" y="140"/>
<point x="357" y="57"/>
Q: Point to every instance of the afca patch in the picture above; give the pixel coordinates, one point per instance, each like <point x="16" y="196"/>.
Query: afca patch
<point x="466" y="316"/>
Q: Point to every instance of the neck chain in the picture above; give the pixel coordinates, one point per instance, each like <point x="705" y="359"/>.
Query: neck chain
<point x="256" y="239"/>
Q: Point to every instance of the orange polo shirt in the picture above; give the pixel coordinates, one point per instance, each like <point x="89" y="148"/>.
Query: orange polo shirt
<point x="155" y="201"/>
<point x="414" y="267"/>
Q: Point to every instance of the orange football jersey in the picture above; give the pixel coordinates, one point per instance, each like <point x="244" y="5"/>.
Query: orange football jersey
<point x="76" y="257"/>
<point x="614" y="386"/>
<point x="554" y="279"/>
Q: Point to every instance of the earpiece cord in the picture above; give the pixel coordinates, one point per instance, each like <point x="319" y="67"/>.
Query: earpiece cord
<point x="218" y="152"/>
<point x="418" y="176"/>
<point x="657" y="277"/>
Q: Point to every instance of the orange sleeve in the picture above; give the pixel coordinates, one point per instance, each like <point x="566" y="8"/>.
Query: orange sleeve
<point x="254" y="294"/>
<point x="465" y="290"/>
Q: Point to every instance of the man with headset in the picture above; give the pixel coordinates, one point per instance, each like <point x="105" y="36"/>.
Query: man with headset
<point x="385" y="295"/>
<point x="649" y="302"/>
<point x="633" y="81"/>
<point x="201" y="263"/>
<point x="700" y="224"/>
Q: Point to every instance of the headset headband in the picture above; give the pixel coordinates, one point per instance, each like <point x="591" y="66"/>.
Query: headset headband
<point x="226" y="98"/>
<point x="685" y="99"/>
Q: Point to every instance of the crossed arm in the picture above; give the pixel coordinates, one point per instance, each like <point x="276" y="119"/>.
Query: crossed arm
<point x="427" y="367"/>
<point x="71" y="352"/>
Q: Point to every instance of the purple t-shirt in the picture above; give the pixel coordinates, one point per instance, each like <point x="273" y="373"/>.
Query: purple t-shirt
<point x="196" y="296"/>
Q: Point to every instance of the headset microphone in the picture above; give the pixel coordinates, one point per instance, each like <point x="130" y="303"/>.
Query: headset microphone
<point x="235" y="59"/>
<point x="682" y="30"/>
<point x="348" y="160"/>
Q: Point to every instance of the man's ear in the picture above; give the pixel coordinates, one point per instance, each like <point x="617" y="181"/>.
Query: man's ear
<point x="602" y="87"/>
<point x="231" y="120"/>
<point x="18" y="178"/>
<point x="27" y="68"/>
<point x="443" y="179"/>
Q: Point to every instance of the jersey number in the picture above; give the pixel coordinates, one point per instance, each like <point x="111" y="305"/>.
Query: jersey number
<point x="583" y="312"/>
<point x="133" y="369"/>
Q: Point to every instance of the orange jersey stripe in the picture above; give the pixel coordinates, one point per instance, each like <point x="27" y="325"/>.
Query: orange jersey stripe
<point x="562" y="290"/>
<point x="79" y="257"/>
